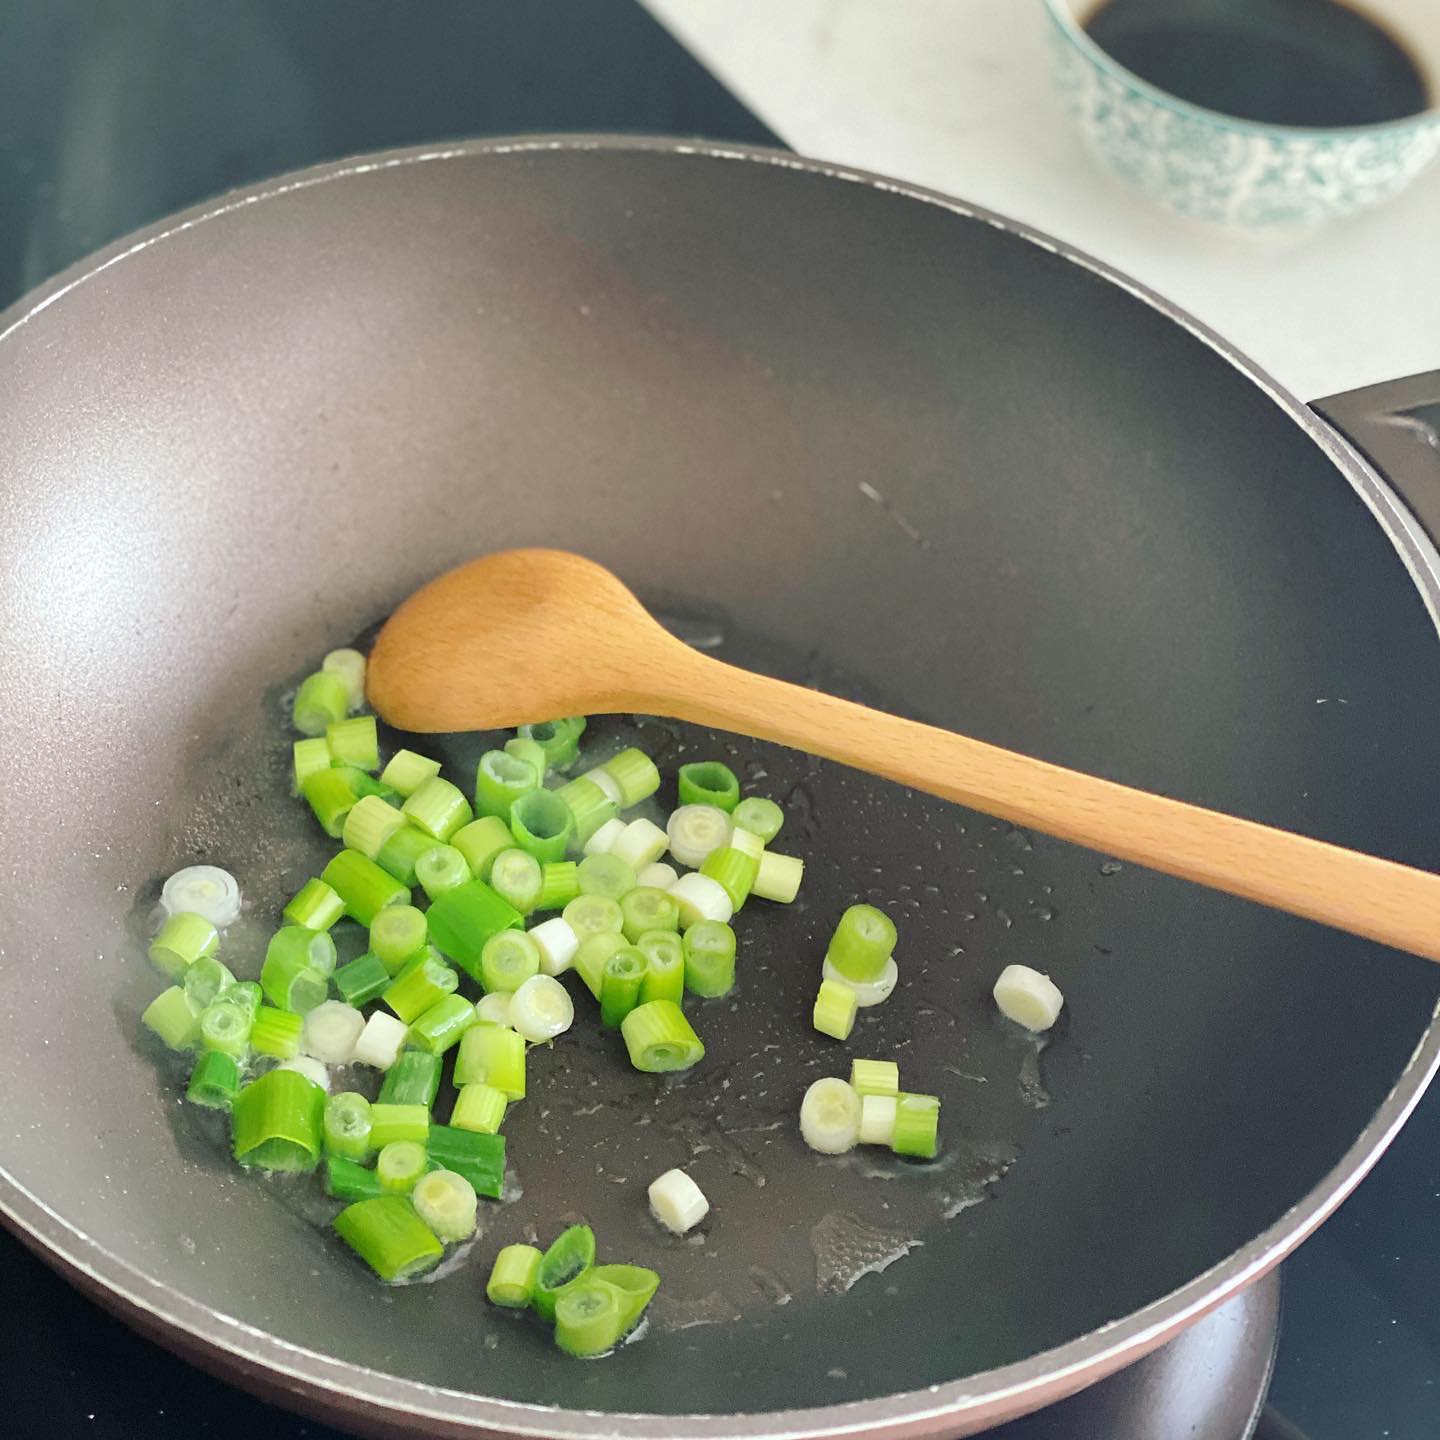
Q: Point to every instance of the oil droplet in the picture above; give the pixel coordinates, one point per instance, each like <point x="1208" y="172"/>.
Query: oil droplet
<point x="1110" y="867"/>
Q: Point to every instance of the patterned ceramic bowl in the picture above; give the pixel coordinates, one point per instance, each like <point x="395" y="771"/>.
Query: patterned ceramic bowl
<point x="1240" y="173"/>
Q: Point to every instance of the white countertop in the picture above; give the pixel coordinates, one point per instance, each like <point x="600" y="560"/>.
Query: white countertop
<point x="957" y="95"/>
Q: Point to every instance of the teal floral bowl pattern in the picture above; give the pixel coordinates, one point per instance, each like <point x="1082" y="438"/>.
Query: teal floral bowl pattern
<point x="1216" y="168"/>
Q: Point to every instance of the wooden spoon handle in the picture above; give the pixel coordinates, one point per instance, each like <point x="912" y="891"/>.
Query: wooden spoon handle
<point x="1379" y="899"/>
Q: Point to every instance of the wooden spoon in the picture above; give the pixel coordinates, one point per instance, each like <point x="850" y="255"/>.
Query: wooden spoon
<point x="528" y="635"/>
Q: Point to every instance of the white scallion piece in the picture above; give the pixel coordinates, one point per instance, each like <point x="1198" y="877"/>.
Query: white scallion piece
<point x="601" y="841"/>
<point x="694" y="831"/>
<point x="203" y="890"/>
<point x="349" y="666"/>
<point x="677" y="1202"/>
<point x="701" y="898"/>
<point x="746" y="842"/>
<point x="877" y="1119"/>
<point x="494" y="1008"/>
<point x="658" y="876"/>
<point x="1027" y="997"/>
<point x="606" y="781"/>
<point x="867" y="993"/>
<point x="310" y="1068"/>
<point x="541" y="1009"/>
<point x="381" y="1041"/>
<point x="830" y="1116"/>
<point x="778" y="877"/>
<point x="446" y="1202"/>
<point x="332" y="1029"/>
<point x="642" y="843"/>
<point x="558" y="942"/>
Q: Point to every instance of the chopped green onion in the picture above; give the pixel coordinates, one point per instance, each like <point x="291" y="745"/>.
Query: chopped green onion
<point x="512" y="1280"/>
<point x="481" y="841"/>
<point x="362" y="980"/>
<point x="346" y="1180"/>
<point x="590" y="806"/>
<point x="315" y="906"/>
<point x="399" y="1165"/>
<point x="277" y="1122"/>
<point x="441" y="868"/>
<point x="320" y="701"/>
<point x="508" y="960"/>
<point x="917" y="1120"/>
<point x="389" y="1237"/>
<point x="215" y="1081"/>
<point x="569" y="1256"/>
<point x="875" y="1077"/>
<point x="515" y="876"/>
<point x="397" y="936"/>
<point x="862" y="943"/>
<point x="500" y="780"/>
<point x="183" y="939"/>
<point x="479" y="1158"/>
<point x="364" y="785"/>
<point x="171" y="1016"/>
<point x="542" y="825"/>
<point x="309" y="757"/>
<point x="349" y="666"/>
<point x="643" y="910"/>
<point x="206" y="980"/>
<point x="634" y="773"/>
<point x="297" y="969"/>
<point x="225" y="1026"/>
<point x="247" y="994"/>
<point x="677" y="1202"/>
<point x="492" y="1055"/>
<point x="633" y="1285"/>
<point x="1028" y="998"/>
<point x="559" y="885"/>
<point x="276" y="1032"/>
<point x="331" y="794"/>
<point x="607" y="876"/>
<point x="463" y="919"/>
<point x="868" y="992"/>
<point x="424" y="981"/>
<point x="835" y="1009"/>
<point x="354" y="742"/>
<point x="414" y="1079"/>
<point x="693" y="831"/>
<point x="332" y="1031"/>
<point x="620" y="985"/>
<point x="442" y="1025"/>
<point x="205" y="890"/>
<point x="381" y="1041"/>
<point x="657" y="876"/>
<point x="555" y="943"/>
<point x="541" y="1009"/>
<point x="364" y="887"/>
<point x="445" y="1201"/>
<point x="589" y="915"/>
<point x="607" y="784"/>
<point x="370" y="823"/>
<point x="392" y="1123"/>
<point x="310" y="1068"/>
<point x="710" y="958"/>
<point x="399" y="856"/>
<point x="700" y="898"/>
<point x="479" y="1107"/>
<point x="830" y="1117"/>
<point x="593" y="953"/>
<point x="709" y="782"/>
<point x="760" y="816"/>
<point x="438" y="808"/>
<point x="778" y="877"/>
<point x="601" y="841"/>
<point x="559" y="739"/>
<point x="493" y="1009"/>
<point x="589" y="1318"/>
<point x="347" y="1126"/>
<point x="660" y="1039"/>
<point x="640" y="844"/>
<point x="664" y="953"/>
<point x="734" y="871"/>
<point x="407" y="771"/>
<point x="531" y="751"/>
<point x="877" y="1120"/>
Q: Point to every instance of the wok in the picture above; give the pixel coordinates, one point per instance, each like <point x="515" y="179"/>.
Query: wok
<point x="852" y="433"/>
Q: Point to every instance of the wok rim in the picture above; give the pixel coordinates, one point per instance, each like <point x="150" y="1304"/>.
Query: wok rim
<point x="298" y="1375"/>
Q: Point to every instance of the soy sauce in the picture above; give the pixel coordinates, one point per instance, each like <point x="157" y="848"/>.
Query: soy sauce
<point x="1280" y="62"/>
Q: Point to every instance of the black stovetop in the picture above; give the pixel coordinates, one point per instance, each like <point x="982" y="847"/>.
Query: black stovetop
<point x="111" y="116"/>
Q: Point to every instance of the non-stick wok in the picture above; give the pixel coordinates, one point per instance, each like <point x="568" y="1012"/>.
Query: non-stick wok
<point x="849" y="432"/>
